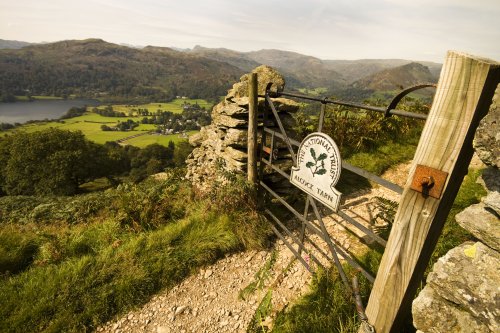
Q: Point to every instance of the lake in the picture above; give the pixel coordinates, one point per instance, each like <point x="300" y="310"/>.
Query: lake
<point x="21" y="112"/>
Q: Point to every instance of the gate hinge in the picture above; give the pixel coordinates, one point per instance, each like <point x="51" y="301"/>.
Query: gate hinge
<point x="428" y="181"/>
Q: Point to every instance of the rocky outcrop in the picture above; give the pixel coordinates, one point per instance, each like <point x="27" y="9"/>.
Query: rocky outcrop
<point x="223" y="144"/>
<point x="462" y="293"/>
<point x="482" y="223"/>
<point x="487" y="139"/>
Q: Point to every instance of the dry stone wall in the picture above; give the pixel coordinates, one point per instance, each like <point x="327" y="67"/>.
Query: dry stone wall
<point x="223" y="144"/>
<point x="462" y="293"/>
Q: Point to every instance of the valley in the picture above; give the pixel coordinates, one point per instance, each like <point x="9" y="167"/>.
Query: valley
<point x="181" y="118"/>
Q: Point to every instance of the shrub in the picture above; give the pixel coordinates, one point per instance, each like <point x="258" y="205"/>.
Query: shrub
<point x="17" y="250"/>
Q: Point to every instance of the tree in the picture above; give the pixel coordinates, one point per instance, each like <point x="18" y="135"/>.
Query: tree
<point x="151" y="159"/>
<point x="51" y="161"/>
<point x="181" y="152"/>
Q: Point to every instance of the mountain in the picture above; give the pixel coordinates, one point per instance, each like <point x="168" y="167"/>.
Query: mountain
<point x="299" y="70"/>
<point x="309" y="71"/>
<point x="94" y="67"/>
<point x="12" y="44"/>
<point x="354" y="70"/>
<point x="235" y="58"/>
<point x="396" y="78"/>
<point x="303" y="71"/>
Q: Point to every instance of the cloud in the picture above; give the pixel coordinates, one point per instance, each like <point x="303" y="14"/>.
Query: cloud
<point x="325" y="28"/>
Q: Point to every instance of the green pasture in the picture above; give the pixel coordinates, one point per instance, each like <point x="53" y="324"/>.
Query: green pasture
<point x="92" y="130"/>
<point x="149" y="139"/>
<point x="174" y="106"/>
<point x="90" y="125"/>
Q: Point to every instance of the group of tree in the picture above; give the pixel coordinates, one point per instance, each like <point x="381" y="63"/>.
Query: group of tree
<point x="108" y="112"/>
<point x="57" y="162"/>
<point x="74" y="112"/>
<point x="127" y="125"/>
<point x="6" y="126"/>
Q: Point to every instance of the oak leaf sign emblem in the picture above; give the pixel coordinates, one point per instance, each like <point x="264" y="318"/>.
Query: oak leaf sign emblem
<point x="317" y="166"/>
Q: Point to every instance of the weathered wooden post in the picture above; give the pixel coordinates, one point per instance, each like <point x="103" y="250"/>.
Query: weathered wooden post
<point x="464" y="93"/>
<point x="252" y="128"/>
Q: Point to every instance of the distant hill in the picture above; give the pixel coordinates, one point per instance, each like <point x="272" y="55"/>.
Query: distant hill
<point x="311" y="72"/>
<point x="12" y="44"/>
<point x="386" y="83"/>
<point x="299" y="70"/>
<point x="235" y="58"/>
<point x="302" y="71"/>
<point x="354" y="70"/>
<point x="94" y="67"/>
<point x="396" y="78"/>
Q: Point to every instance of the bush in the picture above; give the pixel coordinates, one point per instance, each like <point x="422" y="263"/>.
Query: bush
<point x="17" y="250"/>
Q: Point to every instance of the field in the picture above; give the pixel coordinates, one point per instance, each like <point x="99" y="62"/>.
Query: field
<point x="90" y="124"/>
<point x="175" y="106"/>
<point x="148" y="139"/>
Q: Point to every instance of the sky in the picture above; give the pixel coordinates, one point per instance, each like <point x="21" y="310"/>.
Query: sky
<point x="327" y="29"/>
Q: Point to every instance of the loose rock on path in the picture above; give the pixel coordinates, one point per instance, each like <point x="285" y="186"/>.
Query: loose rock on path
<point x="208" y="301"/>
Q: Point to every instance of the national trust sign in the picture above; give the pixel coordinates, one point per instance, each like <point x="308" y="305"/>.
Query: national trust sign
<point x="318" y="169"/>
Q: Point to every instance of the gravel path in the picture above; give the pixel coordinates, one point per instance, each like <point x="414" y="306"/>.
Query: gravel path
<point x="208" y="301"/>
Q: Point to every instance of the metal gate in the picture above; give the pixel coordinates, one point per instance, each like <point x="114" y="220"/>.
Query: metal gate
<point x="315" y="225"/>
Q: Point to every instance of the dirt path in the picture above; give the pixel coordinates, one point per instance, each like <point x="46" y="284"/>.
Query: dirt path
<point x="208" y="301"/>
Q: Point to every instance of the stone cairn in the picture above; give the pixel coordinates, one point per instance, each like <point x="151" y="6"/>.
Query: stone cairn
<point x="222" y="145"/>
<point x="463" y="290"/>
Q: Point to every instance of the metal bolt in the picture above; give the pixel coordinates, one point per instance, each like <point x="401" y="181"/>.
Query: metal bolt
<point x="427" y="181"/>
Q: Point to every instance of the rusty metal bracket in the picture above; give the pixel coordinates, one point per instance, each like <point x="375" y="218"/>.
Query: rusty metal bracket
<point x="268" y="150"/>
<point x="428" y="181"/>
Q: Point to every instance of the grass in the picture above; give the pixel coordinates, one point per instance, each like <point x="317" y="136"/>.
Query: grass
<point x="327" y="307"/>
<point x="174" y="106"/>
<point x="82" y="292"/>
<point x="62" y="273"/>
<point x="144" y="140"/>
<point x="260" y="278"/>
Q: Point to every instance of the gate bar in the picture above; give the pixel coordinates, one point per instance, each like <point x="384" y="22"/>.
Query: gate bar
<point x="361" y="227"/>
<point x="295" y="239"/>
<point x="355" y="105"/>
<point x="290" y="247"/>
<point x="354" y="169"/>
<point x="316" y="230"/>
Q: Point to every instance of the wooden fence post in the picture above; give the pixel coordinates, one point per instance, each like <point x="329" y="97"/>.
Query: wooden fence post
<point x="252" y="128"/>
<point x="464" y="93"/>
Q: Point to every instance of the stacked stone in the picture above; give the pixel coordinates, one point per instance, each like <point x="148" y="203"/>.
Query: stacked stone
<point x="223" y="144"/>
<point x="463" y="290"/>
